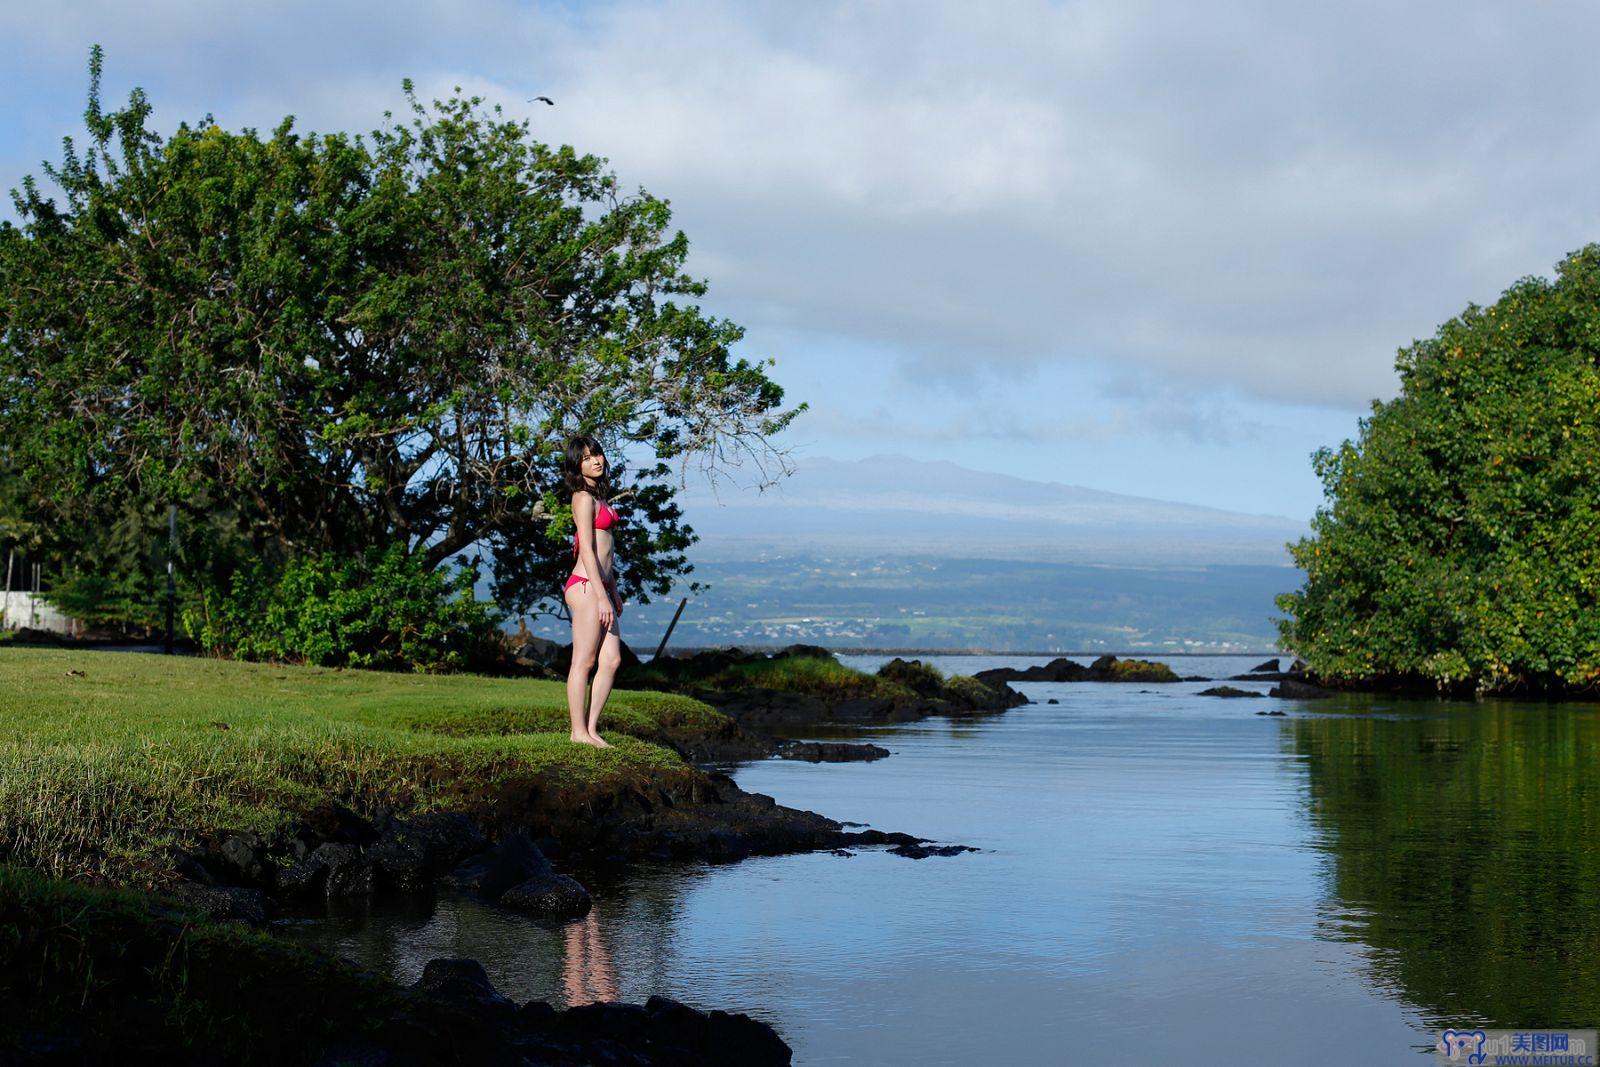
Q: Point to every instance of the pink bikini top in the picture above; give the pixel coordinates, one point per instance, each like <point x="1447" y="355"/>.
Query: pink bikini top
<point x="604" y="519"/>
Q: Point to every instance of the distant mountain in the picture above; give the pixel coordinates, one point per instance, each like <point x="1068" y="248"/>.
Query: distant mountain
<point x="897" y="505"/>
<point x="892" y="551"/>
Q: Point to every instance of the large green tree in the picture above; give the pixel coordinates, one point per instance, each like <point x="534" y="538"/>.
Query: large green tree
<point x="316" y="344"/>
<point x="1460" y="542"/>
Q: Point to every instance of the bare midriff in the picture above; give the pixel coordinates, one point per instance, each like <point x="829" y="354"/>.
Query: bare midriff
<point x="604" y="554"/>
<point x="604" y="550"/>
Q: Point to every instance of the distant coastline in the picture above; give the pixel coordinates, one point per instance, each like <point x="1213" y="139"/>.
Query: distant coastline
<point x="903" y="602"/>
<point x="852" y="650"/>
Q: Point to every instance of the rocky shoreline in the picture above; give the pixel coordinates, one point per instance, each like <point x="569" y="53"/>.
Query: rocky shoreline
<point x="507" y="856"/>
<point x="706" y="817"/>
<point x="1296" y="683"/>
<point x="1106" y="668"/>
<point x="702" y="815"/>
<point x="763" y="718"/>
<point x="698" y="815"/>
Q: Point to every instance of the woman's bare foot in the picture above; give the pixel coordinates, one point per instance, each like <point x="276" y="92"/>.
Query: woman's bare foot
<point x="600" y="742"/>
<point x="580" y="740"/>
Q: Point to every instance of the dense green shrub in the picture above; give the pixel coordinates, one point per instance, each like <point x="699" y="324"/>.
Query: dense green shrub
<point x="128" y="602"/>
<point x="386" y="610"/>
<point x="1460" y="541"/>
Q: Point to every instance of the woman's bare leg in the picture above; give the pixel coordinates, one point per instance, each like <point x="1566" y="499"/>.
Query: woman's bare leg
<point x="585" y="612"/>
<point x="605" y="672"/>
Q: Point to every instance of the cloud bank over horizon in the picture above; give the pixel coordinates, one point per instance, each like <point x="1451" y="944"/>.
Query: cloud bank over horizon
<point x="1176" y="245"/>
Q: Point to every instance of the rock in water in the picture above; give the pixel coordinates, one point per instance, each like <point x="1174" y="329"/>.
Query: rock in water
<point x="513" y="861"/>
<point x="408" y="853"/>
<point x="914" y="675"/>
<point x="1105" y="669"/>
<point x="461" y="979"/>
<point x="249" y="906"/>
<point x="829" y="751"/>
<point x="1289" y="689"/>
<point x="922" y="852"/>
<point x="555" y="897"/>
<point x="1228" y="691"/>
<point x="336" y="869"/>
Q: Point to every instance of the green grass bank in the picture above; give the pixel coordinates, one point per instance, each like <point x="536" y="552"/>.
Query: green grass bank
<point x="110" y="761"/>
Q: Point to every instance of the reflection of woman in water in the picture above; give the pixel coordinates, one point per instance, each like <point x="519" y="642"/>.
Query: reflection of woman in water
<point x="587" y="975"/>
<point x="591" y="591"/>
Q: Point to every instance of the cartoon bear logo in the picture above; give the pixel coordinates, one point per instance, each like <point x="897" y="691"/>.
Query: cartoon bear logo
<point x="1463" y="1046"/>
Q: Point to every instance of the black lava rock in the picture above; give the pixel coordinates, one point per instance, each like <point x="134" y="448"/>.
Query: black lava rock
<point x="829" y="751"/>
<point x="489" y="874"/>
<point x="241" y="856"/>
<point x="461" y="979"/>
<point x="1289" y="689"/>
<point x="410" y="853"/>
<point x="553" y="897"/>
<point x="335" y="869"/>
<point x="237" y="903"/>
<point x="919" y="852"/>
<point x="1228" y="691"/>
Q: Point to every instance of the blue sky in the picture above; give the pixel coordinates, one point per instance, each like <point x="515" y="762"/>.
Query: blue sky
<point x="1161" y="249"/>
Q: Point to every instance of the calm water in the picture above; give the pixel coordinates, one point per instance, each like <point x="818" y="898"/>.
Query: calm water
<point x="1163" y="876"/>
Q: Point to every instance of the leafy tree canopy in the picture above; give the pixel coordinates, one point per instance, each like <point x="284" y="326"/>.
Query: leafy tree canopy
<point x="318" y="344"/>
<point x="1460" y="541"/>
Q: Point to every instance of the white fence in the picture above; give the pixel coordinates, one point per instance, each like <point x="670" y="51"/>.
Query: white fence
<point x="25" y="609"/>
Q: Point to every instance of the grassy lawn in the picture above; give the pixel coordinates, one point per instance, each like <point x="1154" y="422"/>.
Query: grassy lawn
<point x="107" y="759"/>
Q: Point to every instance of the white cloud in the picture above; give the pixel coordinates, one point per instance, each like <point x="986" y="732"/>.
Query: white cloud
<point x="1249" y="195"/>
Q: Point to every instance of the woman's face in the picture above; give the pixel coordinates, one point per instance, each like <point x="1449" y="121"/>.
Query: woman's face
<point x="594" y="465"/>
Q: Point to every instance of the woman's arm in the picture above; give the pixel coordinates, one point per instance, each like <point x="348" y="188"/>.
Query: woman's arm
<point x="583" y="518"/>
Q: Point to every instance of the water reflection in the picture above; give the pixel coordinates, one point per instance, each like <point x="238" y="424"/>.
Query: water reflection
<point x="623" y="949"/>
<point x="588" y="974"/>
<point x="1466" y="855"/>
<point x="1375" y="869"/>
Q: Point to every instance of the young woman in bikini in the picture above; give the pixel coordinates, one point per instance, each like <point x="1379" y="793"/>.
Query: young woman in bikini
<point x="591" y="591"/>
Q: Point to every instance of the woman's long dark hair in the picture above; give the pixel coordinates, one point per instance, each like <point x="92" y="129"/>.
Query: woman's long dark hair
<point x="578" y="446"/>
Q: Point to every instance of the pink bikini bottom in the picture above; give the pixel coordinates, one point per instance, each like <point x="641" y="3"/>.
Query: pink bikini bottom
<point x="576" y="578"/>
